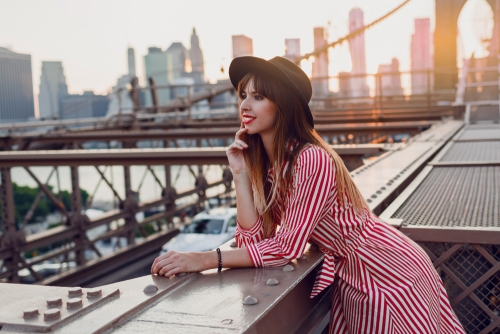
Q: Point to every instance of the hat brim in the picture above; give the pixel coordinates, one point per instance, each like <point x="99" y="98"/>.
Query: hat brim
<point x="241" y="66"/>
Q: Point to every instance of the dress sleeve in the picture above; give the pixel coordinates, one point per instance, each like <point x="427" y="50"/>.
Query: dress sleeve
<point x="313" y="181"/>
<point x="245" y="237"/>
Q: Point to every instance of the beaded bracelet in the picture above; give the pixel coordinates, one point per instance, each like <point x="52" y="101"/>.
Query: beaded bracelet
<point x="219" y="260"/>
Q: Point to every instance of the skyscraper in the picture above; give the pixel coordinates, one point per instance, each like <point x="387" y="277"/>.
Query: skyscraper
<point x="16" y="86"/>
<point x="87" y="105"/>
<point x="358" y="56"/>
<point x="131" y="61"/>
<point x="242" y="46"/>
<point x="320" y="64"/>
<point x="196" y="56"/>
<point x="158" y="65"/>
<point x="389" y="84"/>
<point x="120" y="101"/>
<point x="52" y="88"/>
<point x="292" y="48"/>
<point x="421" y="58"/>
<point x="180" y="56"/>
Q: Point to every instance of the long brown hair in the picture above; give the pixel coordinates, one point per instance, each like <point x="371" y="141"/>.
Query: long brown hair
<point x="291" y="124"/>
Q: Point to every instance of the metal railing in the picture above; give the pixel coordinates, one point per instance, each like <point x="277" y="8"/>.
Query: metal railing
<point x="70" y="239"/>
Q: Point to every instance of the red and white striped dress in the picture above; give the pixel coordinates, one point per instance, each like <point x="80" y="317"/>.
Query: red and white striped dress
<point x="383" y="281"/>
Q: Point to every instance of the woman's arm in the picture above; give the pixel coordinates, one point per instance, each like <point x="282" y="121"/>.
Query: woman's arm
<point x="313" y="191"/>
<point x="172" y="263"/>
<point x="247" y="215"/>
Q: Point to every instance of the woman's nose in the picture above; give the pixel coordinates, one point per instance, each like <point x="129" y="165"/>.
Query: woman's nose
<point x="245" y="105"/>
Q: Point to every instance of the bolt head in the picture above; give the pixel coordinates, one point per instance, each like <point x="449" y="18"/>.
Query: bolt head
<point x="288" y="268"/>
<point x="30" y="312"/>
<point x="233" y="244"/>
<point x="93" y="293"/>
<point x="76" y="291"/>
<point x="54" y="301"/>
<point x="74" y="302"/>
<point x="52" y="314"/>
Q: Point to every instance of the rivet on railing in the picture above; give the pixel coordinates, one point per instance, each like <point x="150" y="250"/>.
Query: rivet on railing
<point x="288" y="268"/>
<point x="233" y="244"/>
<point x="272" y="281"/>
<point x="249" y="300"/>
<point x="150" y="289"/>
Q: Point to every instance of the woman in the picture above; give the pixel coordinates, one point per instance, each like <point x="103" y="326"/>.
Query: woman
<point x="292" y="188"/>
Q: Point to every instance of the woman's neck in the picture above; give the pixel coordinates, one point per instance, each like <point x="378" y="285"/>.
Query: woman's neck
<point x="267" y="141"/>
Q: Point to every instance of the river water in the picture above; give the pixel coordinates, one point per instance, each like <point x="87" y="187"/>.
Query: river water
<point x="182" y="179"/>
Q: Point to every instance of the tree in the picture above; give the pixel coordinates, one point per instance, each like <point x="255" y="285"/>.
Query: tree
<point x="24" y="197"/>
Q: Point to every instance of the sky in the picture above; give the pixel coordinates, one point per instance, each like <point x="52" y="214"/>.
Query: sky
<point x="91" y="37"/>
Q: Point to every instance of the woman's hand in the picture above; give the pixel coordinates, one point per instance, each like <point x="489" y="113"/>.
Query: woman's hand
<point x="235" y="152"/>
<point x="172" y="263"/>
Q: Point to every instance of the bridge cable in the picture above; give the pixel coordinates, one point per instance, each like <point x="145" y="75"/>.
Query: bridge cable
<point x="349" y="36"/>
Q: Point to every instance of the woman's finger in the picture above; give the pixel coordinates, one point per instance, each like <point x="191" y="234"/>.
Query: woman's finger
<point x="173" y="272"/>
<point x="241" y="142"/>
<point x="161" y="263"/>
<point x="165" y="269"/>
<point x="240" y="133"/>
<point x="236" y="146"/>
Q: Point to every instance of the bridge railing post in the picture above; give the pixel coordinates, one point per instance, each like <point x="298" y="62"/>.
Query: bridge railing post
<point x="135" y="95"/>
<point x="10" y="238"/>
<point x="77" y="218"/>
<point x="130" y="204"/>
<point x="154" y="95"/>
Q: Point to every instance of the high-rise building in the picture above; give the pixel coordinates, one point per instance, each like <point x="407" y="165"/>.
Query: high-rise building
<point x="86" y="105"/>
<point x="358" y="85"/>
<point x="390" y="83"/>
<point x="180" y="58"/>
<point x="16" y="86"/>
<point x="52" y="87"/>
<point x="158" y="65"/>
<point x="292" y="48"/>
<point x="120" y="101"/>
<point x="131" y="62"/>
<point x="320" y="64"/>
<point x="196" y="56"/>
<point x="421" y="58"/>
<point x="242" y="46"/>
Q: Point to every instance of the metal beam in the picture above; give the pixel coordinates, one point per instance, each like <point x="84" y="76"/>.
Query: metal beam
<point x="157" y="156"/>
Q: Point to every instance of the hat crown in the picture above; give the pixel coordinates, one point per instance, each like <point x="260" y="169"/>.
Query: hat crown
<point x="296" y="76"/>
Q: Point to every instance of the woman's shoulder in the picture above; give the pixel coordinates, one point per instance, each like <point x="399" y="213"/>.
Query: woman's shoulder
<point x="312" y="154"/>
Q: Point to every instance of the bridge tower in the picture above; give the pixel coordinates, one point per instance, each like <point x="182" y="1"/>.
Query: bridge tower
<point x="445" y="41"/>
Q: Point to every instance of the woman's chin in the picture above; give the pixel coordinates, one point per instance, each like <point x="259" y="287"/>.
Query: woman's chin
<point x="250" y="130"/>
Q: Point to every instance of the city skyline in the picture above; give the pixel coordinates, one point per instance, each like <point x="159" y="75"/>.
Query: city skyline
<point x="103" y="56"/>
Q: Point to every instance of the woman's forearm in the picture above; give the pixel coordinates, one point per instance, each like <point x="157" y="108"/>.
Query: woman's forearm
<point x="233" y="258"/>
<point x="247" y="215"/>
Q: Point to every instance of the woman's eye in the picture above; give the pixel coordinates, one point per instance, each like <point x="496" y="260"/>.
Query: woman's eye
<point x="258" y="97"/>
<point x="243" y="96"/>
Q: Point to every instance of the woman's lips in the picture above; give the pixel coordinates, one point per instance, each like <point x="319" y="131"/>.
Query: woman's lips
<point x="247" y="119"/>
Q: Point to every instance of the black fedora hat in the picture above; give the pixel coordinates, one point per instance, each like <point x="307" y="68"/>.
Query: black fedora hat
<point x="280" y="68"/>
